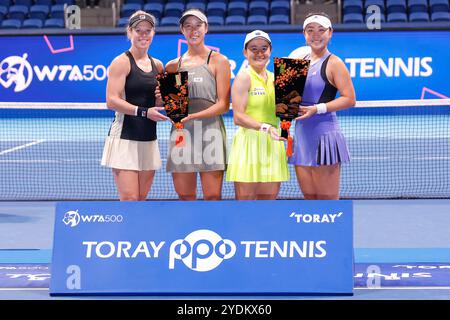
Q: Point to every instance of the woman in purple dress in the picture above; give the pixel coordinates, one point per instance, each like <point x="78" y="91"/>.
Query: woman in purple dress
<point x="319" y="145"/>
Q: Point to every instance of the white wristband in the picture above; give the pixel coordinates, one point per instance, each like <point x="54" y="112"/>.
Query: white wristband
<point x="321" y="108"/>
<point x="265" y="127"/>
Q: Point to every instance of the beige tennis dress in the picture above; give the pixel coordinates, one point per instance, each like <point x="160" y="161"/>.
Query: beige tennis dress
<point x="132" y="143"/>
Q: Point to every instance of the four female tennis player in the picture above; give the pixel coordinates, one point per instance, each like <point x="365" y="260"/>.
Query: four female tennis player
<point x="257" y="160"/>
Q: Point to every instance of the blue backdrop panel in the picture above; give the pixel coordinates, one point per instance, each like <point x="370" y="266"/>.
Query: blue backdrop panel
<point x="383" y="65"/>
<point x="225" y="247"/>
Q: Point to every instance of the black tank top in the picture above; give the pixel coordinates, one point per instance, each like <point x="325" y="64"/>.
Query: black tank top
<point x="140" y="91"/>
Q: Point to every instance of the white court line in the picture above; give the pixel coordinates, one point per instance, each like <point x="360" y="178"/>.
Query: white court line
<point x="371" y="158"/>
<point x="21" y="147"/>
<point x="434" y="158"/>
<point x="30" y="161"/>
<point x="23" y="289"/>
<point x="52" y="161"/>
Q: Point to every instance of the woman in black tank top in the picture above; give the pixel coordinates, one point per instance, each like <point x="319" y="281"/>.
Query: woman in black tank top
<point x="131" y="148"/>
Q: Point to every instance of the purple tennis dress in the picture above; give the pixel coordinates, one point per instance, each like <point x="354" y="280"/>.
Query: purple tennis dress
<point x="318" y="140"/>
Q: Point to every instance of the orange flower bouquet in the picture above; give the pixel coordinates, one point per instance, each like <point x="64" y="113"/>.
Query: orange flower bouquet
<point x="174" y="93"/>
<point x="290" y="78"/>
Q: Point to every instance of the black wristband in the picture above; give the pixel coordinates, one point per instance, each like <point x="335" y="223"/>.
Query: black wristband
<point x="142" y="112"/>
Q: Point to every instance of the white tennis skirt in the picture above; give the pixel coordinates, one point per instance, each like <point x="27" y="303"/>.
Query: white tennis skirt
<point x="131" y="155"/>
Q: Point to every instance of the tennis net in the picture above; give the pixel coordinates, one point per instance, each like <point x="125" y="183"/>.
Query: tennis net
<point x="399" y="149"/>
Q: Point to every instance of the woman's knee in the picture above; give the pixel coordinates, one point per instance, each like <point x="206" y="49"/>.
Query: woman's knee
<point x="310" y="196"/>
<point x="187" y="196"/>
<point x="129" y="196"/>
<point x="328" y="196"/>
<point x="212" y="196"/>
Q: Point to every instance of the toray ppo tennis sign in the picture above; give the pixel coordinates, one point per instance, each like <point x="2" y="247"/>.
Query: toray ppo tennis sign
<point x="224" y="247"/>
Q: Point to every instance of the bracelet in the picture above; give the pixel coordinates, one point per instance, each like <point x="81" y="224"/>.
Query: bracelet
<point x="321" y="108"/>
<point x="265" y="127"/>
<point x="141" y="112"/>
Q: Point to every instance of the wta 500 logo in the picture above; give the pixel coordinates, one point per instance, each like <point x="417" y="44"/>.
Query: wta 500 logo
<point x="17" y="71"/>
<point x="73" y="218"/>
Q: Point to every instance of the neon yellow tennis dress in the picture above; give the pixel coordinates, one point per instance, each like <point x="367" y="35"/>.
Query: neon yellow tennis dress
<point x="254" y="155"/>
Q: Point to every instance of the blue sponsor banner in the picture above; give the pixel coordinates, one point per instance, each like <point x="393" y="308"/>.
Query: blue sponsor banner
<point x="224" y="247"/>
<point x="73" y="68"/>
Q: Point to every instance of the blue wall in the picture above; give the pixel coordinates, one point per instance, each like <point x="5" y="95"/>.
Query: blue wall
<point x="63" y="68"/>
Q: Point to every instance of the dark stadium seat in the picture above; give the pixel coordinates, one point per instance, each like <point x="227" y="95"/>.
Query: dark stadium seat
<point x="394" y="6"/>
<point x="440" y="16"/>
<point x="173" y="9"/>
<point x="258" y="8"/>
<point x="352" y="6"/>
<point x="156" y="9"/>
<point x="438" y="6"/>
<point x="11" y="24"/>
<point x="163" y="2"/>
<point x="39" y="12"/>
<point x="68" y="2"/>
<point x="353" y="18"/>
<point x="216" y="9"/>
<point x="54" y="23"/>
<point x="237" y="8"/>
<point x="6" y="3"/>
<point x="417" y="6"/>
<point x="205" y="2"/>
<point x="57" y="11"/>
<point x="140" y="2"/>
<point x="18" y="12"/>
<point x="256" y="19"/>
<point x="44" y="2"/>
<point x="122" y="22"/>
<point x="235" y="21"/>
<point x="128" y="9"/>
<point x="169" y="21"/>
<point x="196" y="5"/>
<point x="280" y="7"/>
<point x="419" y="17"/>
<point x="397" y="17"/>
<point x="216" y="20"/>
<point x="26" y="3"/>
<point x="32" y="24"/>
<point x="279" y="19"/>
<point x="379" y="3"/>
<point x="3" y="12"/>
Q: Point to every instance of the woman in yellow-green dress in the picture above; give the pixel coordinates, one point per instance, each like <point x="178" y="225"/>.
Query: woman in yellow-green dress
<point x="257" y="162"/>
